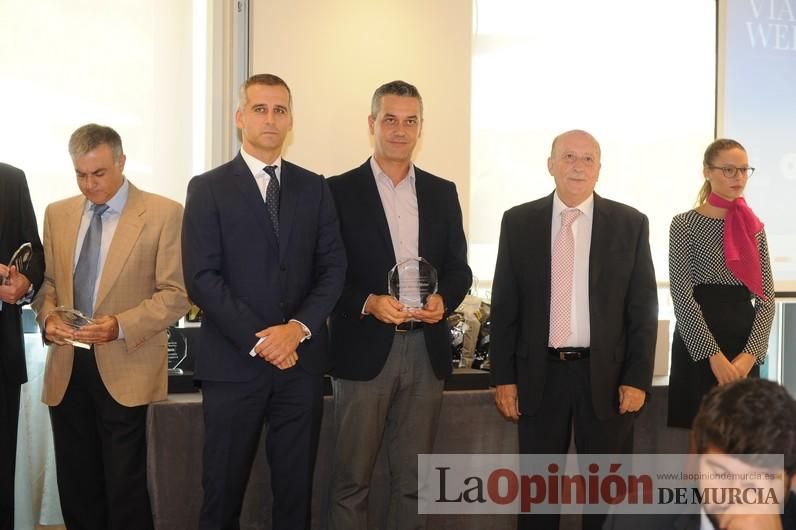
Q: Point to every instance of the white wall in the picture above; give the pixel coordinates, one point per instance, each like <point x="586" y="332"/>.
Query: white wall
<point x="334" y="54"/>
<point x="127" y="64"/>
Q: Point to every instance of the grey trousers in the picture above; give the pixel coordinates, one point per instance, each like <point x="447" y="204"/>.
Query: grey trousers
<point x="400" y="408"/>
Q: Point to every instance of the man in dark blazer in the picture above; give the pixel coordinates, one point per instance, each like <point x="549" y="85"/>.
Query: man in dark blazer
<point x="574" y="314"/>
<point x="389" y="360"/>
<point x="17" y="226"/>
<point x="266" y="266"/>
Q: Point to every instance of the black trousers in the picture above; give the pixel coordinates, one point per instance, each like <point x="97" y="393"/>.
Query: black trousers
<point x="9" y="418"/>
<point x="566" y="401"/>
<point x="100" y="455"/>
<point x="291" y="403"/>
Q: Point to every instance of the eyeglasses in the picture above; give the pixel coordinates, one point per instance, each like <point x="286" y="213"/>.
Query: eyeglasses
<point x="730" y="171"/>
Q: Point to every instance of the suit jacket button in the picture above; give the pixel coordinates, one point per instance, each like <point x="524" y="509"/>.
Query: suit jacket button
<point x="282" y="268"/>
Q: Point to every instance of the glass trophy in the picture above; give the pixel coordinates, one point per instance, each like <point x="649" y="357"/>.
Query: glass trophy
<point x="412" y="281"/>
<point x="177" y="349"/>
<point x="75" y="320"/>
<point x="20" y="259"/>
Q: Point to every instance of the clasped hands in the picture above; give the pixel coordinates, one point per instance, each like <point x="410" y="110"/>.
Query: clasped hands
<point x="13" y="284"/>
<point x="279" y="343"/>
<point x="726" y="371"/>
<point x="103" y="329"/>
<point x="389" y="310"/>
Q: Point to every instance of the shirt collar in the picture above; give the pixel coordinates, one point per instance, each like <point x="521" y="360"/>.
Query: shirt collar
<point x="586" y="207"/>
<point x="116" y="203"/>
<point x="382" y="176"/>
<point x="256" y="165"/>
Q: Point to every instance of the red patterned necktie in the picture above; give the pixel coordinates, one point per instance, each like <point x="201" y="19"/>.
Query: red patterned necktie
<point x="562" y="267"/>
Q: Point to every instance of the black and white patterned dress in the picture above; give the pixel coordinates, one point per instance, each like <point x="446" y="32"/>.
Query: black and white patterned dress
<point x="714" y="311"/>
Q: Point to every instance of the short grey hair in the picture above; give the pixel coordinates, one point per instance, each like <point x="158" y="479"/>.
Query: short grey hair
<point x="90" y="136"/>
<point x="394" y="88"/>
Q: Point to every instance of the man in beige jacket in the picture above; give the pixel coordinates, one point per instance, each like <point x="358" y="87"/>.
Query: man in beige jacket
<point x="114" y="254"/>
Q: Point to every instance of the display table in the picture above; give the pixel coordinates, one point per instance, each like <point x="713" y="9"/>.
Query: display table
<point x="469" y="423"/>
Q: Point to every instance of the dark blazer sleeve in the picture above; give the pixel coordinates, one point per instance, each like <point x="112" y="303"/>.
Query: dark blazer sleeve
<point x="355" y="290"/>
<point x="17" y="226"/>
<point x="641" y="315"/>
<point x="202" y="262"/>
<point x="455" y="276"/>
<point x="330" y="266"/>
<point x="505" y="311"/>
<point x="29" y="232"/>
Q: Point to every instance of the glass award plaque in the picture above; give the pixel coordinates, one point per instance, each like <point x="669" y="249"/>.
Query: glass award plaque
<point x="177" y="349"/>
<point x="20" y="259"/>
<point x="412" y="281"/>
<point x="75" y="320"/>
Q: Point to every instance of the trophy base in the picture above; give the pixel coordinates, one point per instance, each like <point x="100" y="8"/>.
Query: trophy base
<point x="181" y="383"/>
<point x="78" y="344"/>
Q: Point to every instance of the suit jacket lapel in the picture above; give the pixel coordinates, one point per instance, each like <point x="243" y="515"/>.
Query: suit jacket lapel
<point x="374" y="210"/>
<point x="67" y="233"/>
<point x="245" y="185"/>
<point x="543" y="220"/>
<point x="127" y="231"/>
<point x="599" y="239"/>
<point x="424" y="209"/>
<point x="288" y="202"/>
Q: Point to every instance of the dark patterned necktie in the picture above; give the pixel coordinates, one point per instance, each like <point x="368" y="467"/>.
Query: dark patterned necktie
<point x="272" y="198"/>
<point x="85" y="278"/>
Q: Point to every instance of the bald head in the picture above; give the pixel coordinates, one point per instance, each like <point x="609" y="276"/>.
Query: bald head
<point x="575" y="132"/>
<point x="574" y="163"/>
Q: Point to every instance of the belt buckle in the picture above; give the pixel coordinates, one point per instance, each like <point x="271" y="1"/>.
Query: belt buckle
<point x="569" y="355"/>
<point x="409" y="325"/>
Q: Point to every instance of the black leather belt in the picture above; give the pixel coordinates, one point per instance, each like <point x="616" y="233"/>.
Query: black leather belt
<point x="409" y="325"/>
<point x="569" y="354"/>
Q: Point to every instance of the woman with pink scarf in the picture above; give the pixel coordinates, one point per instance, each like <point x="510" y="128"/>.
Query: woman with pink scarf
<point x="721" y="285"/>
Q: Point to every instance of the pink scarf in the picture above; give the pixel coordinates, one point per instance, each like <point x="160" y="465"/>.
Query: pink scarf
<point x="741" y="253"/>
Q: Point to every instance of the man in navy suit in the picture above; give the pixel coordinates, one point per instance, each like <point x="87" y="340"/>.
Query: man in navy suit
<point x="263" y="258"/>
<point x="389" y="361"/>
<point x="17" y="226"/>
<point x="574" y="315"/>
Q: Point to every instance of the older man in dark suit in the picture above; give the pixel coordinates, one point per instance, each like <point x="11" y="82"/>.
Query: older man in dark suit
<point x="574" y="314"/>
<point x="390" y="360"/>
<point x="17" y="226"/>
<point x="263" y="258"/>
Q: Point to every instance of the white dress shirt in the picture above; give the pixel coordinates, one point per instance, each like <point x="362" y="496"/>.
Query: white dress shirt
<point x="581" y="230"/>
<point x="400" y="208"/>
<point x="257" y="167"/>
